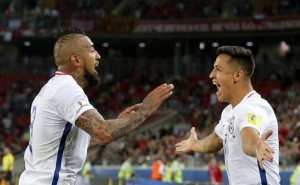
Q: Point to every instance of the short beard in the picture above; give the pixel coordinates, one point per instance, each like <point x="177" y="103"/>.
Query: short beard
<point x="93" y="80"/>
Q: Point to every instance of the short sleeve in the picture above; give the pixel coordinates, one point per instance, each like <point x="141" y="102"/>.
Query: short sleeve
<point x="219" y="129"/>
<point x="71" y="102"/>
<point x="249" y="116"/>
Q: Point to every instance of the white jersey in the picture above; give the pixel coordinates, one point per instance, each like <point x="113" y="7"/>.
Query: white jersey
<point x="255" y="112"/>
<point x="57" y="148"/>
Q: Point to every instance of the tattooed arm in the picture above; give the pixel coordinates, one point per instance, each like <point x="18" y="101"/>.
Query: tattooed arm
<point x="106" y="131"/>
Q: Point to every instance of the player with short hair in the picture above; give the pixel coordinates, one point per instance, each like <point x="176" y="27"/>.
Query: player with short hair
<point x="248" y="128"/>
<point x="64" y="123"/>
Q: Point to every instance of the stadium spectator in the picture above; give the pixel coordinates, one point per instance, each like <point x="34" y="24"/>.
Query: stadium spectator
<point x="8" y="164"/>
<point x="214" y="172"/>
<point x="126" y="170"/>
<point x="45" y="16"/>
<point x="158" y="167"/>
<point x="72" y="123"/>
<point x="168" y="171"/>
<point x="295" y="177"/>
<point x="248" y="128"/>
<point x="177" y="168"/>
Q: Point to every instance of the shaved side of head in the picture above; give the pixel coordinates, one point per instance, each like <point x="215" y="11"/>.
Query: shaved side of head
<point x="64" y="46"/>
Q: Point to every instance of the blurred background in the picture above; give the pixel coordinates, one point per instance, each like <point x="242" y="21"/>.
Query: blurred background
<point x="142" y="44"/>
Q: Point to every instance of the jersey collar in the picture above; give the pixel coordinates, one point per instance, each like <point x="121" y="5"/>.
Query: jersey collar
<point x="58" y="73"/>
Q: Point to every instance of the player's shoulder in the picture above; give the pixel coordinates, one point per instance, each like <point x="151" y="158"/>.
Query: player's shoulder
<point x="64" y="82"/>
<point x="65" y="87"/>
<point x="261" y="107"/>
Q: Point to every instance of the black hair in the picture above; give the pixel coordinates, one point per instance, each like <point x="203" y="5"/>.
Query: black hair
<point x="242" y="56"/>
<point x="64" y="35"/>
<point x="66" y="31"/>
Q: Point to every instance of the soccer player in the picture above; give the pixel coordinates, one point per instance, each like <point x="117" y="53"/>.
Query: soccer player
<point x="64" y="123"/>
<point x="248" y="128"/>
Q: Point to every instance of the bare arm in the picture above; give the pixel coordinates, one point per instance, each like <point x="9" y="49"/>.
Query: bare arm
<point x="250" y="138"/>
<point x="210" y="144"/>
<point x="256" y="146"/>
<point x="106" y="131"/>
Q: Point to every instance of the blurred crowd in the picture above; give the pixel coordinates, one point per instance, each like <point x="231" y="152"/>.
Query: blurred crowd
<point x="44" y="15"/>
<point x="194" y="100"/>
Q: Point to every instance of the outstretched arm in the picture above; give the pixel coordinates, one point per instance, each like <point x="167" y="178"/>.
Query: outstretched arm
<point x="256" y="146"/>
<point x="210" y="144"/>
<point x="106" y="131"/>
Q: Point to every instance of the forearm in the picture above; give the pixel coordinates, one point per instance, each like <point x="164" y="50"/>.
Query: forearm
<point x="117" y="128"/>
<point x="106" y="131"/>
<point x="210" y="144"/>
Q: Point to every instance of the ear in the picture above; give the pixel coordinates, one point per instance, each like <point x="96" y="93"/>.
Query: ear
<point x="237" y="76"/>
<point x="75" y="60"/>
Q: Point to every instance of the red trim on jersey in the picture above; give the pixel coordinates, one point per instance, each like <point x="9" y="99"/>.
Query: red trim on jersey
<point x="60" y="73"/>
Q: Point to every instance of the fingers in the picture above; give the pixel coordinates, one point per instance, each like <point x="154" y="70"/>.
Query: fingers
<point x="193" y="133"/>
<point x="165" y="91"/>
<point x="265" y="157"/>
<point x="186" y="145"/>
<point x="264" y="150"/>
<point x="133" y="107"/>
<point x="129" y="110"/>
<point x="181" y="146"/>
<point x="261" y="164"/>
<point x="266" y="135"/>
<point x="268" y="156"/>
<point x="157" y="96"/>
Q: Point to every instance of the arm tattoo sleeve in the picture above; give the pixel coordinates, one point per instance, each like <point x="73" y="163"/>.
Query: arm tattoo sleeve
<point x="106" y="131"/>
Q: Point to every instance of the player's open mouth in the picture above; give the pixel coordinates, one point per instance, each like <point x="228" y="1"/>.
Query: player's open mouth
<point x="218" y="86"/>
<point x="96" y="65"/>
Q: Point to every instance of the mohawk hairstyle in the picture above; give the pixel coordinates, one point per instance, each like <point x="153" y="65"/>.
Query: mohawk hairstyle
<point x="67" y="31"/>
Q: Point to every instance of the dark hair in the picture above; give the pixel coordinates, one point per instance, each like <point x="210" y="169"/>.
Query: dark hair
<point x="242" y="56"/>
<point x="66" y="31"/>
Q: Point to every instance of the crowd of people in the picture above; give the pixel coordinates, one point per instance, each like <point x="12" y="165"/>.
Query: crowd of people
<point x="195" y="103"/>
<point x="44" y="15"/>
<point x="194" y="100"/>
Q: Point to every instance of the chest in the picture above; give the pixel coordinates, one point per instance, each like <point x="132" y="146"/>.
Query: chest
<point x="231" y="131"/>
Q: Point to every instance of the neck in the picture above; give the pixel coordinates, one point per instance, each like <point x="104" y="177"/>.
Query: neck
<point x="242" y="92"/>
<point x="76" y="74"/>
<point x="79" y="79"/>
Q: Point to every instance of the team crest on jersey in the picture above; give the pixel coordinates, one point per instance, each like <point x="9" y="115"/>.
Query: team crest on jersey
<point x="231" y="136"/>
<point x="231" y="126"/>
<point x="254" y="119"/>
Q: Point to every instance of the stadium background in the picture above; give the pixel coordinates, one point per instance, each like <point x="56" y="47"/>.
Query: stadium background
<point x="143" y="43"/>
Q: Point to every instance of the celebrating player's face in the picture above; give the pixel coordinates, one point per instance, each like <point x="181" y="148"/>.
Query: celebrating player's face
<point x="92" y="78"/>
<point x="92" y="58"/>
<point x="222" y="77"/>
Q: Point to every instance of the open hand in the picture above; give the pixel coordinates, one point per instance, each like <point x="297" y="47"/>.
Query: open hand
<point x="264" y="150"/>
<point x="156" y="97"/>
<point x="187" y="145"/>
